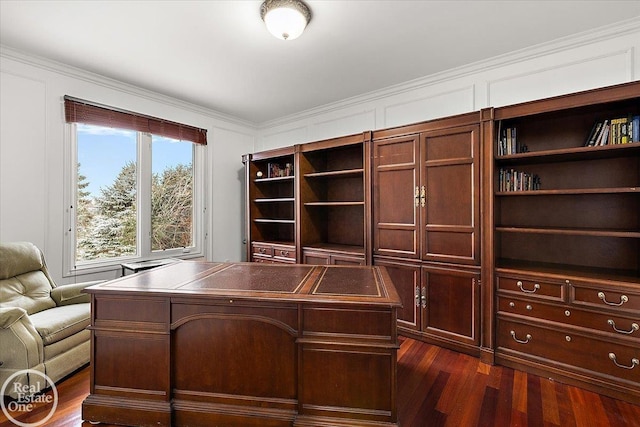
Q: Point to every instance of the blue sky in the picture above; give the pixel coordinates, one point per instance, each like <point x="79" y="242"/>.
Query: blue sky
<point x="102" y="152"/>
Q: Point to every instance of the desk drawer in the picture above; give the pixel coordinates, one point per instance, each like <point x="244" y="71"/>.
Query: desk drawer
<point x="618" y="359"/>
<point x="532" y="287"/>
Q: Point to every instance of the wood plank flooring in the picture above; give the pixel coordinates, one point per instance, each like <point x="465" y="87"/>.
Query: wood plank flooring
<point x="439" y="387"/>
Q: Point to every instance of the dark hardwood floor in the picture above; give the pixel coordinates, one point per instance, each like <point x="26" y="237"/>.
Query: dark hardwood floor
<point x="439" y="387"/>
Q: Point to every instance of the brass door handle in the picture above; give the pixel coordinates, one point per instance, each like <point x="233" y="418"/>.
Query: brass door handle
<point x="423" y="196"/>
<point x="416" y="197"/>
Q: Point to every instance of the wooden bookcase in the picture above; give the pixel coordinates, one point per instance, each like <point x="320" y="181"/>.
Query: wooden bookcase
<point x="333" y="201"/>
<point x="544" y="279"/>
<point x="567" y="255"/>
<point x="271" y="207"/>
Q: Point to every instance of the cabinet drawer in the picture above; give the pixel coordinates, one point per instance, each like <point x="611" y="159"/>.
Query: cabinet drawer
<point x="614" y="324"/>
<point x="284" y="253"/>
<point x="605" y="297"/>
<point x="620" y="360"/>
<point x="263" y="259"/>
<point x="532" y="287"/>
<point x="262" y="249"/>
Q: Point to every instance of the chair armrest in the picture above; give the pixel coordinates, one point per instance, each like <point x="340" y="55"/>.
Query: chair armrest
<point x="10" y="315"/>
<point x="22" y="346"/>
<point x="72" y="293"/>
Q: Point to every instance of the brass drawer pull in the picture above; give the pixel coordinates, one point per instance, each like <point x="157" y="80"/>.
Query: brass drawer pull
<point x="634" y="327"/>
<point x="284" y="253"/>
<point x="634" y="362"/>
<point x="527" y="291"/>
<point x="528" y="338"/>
<point x="603" y="297"/>
<point x="262" y="250"/>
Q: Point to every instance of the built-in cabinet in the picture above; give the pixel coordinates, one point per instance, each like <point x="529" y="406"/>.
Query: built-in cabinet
<point x="511" y="233"/>
<point x="566" y="239"/>
<point x="426" y="206"/>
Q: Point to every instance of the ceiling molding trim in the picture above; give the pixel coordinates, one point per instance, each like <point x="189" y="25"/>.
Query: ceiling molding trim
<point x="573" y="41"/>
<point x="109" y="83"/>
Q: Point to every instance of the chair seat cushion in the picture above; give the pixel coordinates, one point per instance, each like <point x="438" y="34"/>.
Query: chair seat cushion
<point x="59" y="323"/>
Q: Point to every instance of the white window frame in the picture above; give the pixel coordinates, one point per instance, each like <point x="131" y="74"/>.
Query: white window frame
<point x="143" y="168"/>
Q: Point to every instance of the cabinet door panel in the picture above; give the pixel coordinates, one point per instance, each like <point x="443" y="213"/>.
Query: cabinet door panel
<point x="395" y="180"/>
<point x="316" y="258"/>
<point x="406" y="278"/>
<point x="450" y="184"/>
<point x="453" y="298"/>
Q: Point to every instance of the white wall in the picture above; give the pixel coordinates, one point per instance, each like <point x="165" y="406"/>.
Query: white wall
<point x="603" y="57"/>
<point x="33" y="155"/>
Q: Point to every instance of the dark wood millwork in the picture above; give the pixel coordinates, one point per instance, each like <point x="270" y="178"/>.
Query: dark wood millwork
<point x="426" y="226"/>
<point x="432" y="382"/>
<point x="566" y="257"/>
<point x="334" y="194"/>
<point x="446" y="231"/>
<point x="270" y="206"/>
<point x="197" y="343"/>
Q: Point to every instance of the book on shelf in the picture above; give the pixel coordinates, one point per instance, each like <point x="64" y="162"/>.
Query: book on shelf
<point x="620" y="130"/>
<point x="507" y="141"/>
<point x="513" y="180"/>
<point x="276" y="170"/>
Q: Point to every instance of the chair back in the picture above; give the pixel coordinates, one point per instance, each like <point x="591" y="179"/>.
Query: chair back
<point x="24" y="278"/>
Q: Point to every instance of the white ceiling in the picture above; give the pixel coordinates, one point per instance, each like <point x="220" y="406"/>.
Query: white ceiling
<point x="219" y="55"/>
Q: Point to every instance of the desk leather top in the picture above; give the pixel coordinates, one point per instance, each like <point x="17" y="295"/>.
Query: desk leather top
<point x="260" y="281"/>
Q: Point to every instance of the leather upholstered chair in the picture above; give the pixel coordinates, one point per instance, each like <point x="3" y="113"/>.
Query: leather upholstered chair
<point x="42" y="326"/>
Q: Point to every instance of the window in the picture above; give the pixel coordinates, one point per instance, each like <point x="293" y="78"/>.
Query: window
<point x="133" y="195"/>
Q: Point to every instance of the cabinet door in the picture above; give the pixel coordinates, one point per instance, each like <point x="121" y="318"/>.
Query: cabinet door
<point x="346" y="260"/>
<point x="452" y="304"/>
<point x="406" y="278"/>
<point x="316" y="258"/>
<point x="449" y="195"/>
<point x="395" y="198"/>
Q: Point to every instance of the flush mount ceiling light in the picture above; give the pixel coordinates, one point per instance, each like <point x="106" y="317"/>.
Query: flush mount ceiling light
<point x="285" y="19"/>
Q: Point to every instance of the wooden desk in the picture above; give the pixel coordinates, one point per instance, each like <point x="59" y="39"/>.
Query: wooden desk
<point x="247" y="344"/>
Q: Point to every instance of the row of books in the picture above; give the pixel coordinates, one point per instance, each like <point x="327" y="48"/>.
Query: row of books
<point x="623" y="130"/>
<point x="513" y="180"/>
<point x="276" y="170"/>
<point x="508" y="142"/>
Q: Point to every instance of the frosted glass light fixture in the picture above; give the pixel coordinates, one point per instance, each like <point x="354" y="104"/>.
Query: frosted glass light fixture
<point x="285" y="19"/>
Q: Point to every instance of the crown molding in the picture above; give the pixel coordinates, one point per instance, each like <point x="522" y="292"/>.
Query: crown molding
<point x="573" y="41"/>
<point x="100" y="80"/>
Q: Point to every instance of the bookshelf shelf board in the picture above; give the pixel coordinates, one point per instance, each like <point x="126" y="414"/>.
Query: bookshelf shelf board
<point x="564" y="271"/>
<point x="569" y="192"/>
<point x="273" y="221"/>
<point x="335" y="174"/>
<point x="577" y="153"/>
<point x="279" y="178"/>
<point x="275" y="200"/>
<point x="274" y="242"/>
<point x="334" y="203"/>
<point x="332" y="247"/>
<point x="571" y="231"/>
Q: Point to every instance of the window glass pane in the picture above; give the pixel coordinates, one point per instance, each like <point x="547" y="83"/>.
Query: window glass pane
<point x="106" y="193"/>
<point x="171" y="194"/>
